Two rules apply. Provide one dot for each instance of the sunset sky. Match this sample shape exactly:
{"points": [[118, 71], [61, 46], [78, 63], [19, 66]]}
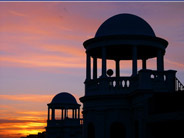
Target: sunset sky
{"points": [[41, 52]]}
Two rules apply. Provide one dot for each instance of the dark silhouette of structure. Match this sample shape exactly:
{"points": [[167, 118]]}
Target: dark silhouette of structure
{"points": [[39, 135], [147, 104], [68, 125]]}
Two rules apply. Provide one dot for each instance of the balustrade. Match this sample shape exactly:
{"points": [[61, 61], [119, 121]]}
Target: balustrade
{"points": [[109, 84], [158, 81], [179, 85], [67, 121]]}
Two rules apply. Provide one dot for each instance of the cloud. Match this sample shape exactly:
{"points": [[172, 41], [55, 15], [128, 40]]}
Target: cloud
{"points": [[49, 36], [21, 123], [174, 64], [64, 49], [35, 40], [17, 13], [5, 121], [18, 120], [21, 127], [27, 98], [42, 61]]}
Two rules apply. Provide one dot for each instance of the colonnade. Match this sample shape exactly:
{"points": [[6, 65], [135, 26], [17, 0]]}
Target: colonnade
{"points": [[160, 63], [64, 113]]}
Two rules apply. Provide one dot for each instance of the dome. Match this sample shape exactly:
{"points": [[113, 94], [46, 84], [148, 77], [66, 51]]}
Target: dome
{"points": [[64, 98], [125, 24]]}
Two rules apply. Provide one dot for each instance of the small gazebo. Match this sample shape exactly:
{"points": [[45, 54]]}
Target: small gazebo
{"points": [[68, 120], [64, 102]]}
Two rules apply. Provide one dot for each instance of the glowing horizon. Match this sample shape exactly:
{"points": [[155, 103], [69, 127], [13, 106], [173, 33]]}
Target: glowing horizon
{"points": [[42, 54]]}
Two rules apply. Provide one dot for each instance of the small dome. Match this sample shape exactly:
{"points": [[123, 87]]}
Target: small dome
{"points": [[125, 24], [64, 98]]}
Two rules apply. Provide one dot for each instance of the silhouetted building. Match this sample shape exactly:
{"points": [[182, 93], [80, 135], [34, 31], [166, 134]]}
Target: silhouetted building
{"points": [[68, 123], [147, 104], [39, 135]]}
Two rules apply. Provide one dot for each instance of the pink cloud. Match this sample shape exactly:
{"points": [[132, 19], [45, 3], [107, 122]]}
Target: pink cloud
{"points": [[49, 36], [27, 98], [15, 13], [42, 61]]}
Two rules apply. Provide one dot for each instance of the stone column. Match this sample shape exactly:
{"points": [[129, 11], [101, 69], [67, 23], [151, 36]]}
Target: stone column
{"points": [[75, 113], [117, 68], [104, 66], [48, 113], [94, 68], [65, 113], [72, 113], [88, 66], [144, 64], [53, 114], [134, 61], [62, 114], [160, 61], [79, 113]]}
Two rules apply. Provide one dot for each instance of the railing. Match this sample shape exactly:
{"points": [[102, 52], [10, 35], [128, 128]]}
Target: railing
{"points": [[179, 85], [65, 122], [163, 81], [157, 81], [120, 82], [110, 85]]}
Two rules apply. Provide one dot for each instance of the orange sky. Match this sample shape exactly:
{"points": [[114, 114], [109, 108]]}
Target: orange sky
{"points": [[41, 53], [23, 114], [20, 116]]}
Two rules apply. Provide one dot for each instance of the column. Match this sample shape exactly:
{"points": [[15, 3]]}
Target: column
{"points": [[160, 61], [104, 66], [134, 58], [79, 113], [65, 113], [72, 113], [62, 114], [143, 63], [48, 113], [94, 68], [117, 68], [75, 113], [88, 66], [53, 114]]}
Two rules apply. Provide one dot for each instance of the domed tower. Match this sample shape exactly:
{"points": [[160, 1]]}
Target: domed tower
{"points": [[115, 106], [67, 123]]}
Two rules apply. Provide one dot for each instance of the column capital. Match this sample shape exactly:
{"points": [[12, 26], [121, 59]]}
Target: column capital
{"points": [[87, 51], [117, 59]]}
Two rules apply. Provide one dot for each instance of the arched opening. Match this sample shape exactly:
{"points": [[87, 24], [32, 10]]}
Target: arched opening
{"points": [[91, 131], [117, 130]]}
